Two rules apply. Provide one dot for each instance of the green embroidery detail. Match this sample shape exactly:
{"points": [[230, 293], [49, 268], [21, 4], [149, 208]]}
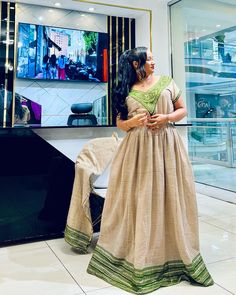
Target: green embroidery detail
{"points": [[150, 97], [76, 239], [122, 274], [177, 97]]}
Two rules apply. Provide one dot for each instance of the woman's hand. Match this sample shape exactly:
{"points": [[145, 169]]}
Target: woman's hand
{"points": [[138, 120], [157, 121]]}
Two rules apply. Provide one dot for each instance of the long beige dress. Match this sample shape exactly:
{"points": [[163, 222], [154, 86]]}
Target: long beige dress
{"points": [[149, 231]]}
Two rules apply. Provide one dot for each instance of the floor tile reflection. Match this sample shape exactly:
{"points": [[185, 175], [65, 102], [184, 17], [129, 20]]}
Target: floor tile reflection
{"points": [[36, 271]]}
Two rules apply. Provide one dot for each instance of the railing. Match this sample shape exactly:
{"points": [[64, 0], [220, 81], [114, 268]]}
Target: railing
{"points": [[213, 141], [209, 49]]}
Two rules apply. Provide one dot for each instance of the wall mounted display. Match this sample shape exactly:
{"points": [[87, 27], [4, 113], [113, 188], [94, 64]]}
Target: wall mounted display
{"points": [[53, 53]]}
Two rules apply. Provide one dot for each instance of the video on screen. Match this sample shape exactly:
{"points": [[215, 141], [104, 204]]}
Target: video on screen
{"points": [[52, 53]]}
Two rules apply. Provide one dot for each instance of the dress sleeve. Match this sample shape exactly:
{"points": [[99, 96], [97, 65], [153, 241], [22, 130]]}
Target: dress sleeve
{"points": [[175, 91]]}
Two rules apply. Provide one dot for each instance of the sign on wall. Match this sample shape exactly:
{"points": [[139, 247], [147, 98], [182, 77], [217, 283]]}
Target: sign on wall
{"points": [[215, 106]]}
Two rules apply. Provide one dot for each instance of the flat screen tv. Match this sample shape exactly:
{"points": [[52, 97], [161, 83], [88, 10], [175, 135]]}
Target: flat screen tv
{"points": [[52, 53]]}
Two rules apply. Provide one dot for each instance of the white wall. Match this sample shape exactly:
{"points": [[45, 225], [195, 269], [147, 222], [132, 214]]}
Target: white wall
{"points": [[160, 29]]}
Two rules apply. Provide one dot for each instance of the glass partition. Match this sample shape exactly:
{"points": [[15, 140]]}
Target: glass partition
{"points": [[233, 135], [203, 35]]}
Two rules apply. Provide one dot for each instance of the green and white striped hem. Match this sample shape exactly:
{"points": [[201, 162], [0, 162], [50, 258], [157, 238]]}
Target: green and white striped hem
{"points": [[76, 239], [122, 274]]}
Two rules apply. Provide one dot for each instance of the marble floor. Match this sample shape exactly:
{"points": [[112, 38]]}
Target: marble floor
{"points": [[215, 175], [52, 268]]}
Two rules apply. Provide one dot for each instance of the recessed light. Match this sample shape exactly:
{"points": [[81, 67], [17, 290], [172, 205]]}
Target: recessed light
{"points": [[10, 42], [50, 10], [40, 18], [10, 67], [218, 26], [91, 9], [57, 4], [82, 14], [203, 30]]}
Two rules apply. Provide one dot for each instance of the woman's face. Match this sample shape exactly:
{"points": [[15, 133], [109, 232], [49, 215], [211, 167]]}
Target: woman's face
{"points": [[150, 64]]}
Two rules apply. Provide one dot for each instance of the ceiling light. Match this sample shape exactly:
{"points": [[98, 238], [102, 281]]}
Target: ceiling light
{"points": [[10, 42], [40, 18], [57, 4], [50, 10], [91, 9], [218, 26], [203, 30], [9, 67], [82, 14]]}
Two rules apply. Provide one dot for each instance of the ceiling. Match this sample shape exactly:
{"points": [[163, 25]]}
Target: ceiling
{"points": [[233, 2], [207, 17], [82, 6]]}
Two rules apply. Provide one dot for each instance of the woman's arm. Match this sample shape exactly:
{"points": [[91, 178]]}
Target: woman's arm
{"points": [[137, 120], [179, 111]]}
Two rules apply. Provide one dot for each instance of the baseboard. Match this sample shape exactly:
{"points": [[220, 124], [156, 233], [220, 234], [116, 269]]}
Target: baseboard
{"points": [[215, 192]]}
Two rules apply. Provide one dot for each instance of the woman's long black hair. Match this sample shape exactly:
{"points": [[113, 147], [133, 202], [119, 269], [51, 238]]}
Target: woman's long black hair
{"points": [[18, 107], [127, 76]]}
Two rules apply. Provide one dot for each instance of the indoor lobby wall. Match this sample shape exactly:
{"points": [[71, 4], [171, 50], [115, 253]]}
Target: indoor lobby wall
{"points": [[159, 32]]}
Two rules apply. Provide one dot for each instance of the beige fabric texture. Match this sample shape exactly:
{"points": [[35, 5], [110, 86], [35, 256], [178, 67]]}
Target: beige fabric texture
{"points": [[150, 212], [91, 162]]}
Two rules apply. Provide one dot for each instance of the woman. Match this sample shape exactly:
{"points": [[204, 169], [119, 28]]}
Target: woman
{"points": [[149, 231], [53, 66], [22, 112]]}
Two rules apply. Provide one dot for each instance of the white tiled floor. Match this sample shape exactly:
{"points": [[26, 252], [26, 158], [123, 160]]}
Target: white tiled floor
{"points": [[53, 268], [215, 175]]}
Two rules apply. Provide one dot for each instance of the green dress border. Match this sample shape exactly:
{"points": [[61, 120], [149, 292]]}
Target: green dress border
{"points": [[122, 274], [77, 239]]}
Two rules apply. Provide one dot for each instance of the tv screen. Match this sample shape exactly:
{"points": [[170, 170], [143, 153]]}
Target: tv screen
{"points": [[52, 53]]}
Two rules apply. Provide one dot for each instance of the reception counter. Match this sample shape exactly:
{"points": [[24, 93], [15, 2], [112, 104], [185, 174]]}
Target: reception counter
{"points": [[36, 179]]}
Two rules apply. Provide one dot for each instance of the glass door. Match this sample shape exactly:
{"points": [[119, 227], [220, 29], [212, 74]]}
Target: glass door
{"points": [[203, 36]]}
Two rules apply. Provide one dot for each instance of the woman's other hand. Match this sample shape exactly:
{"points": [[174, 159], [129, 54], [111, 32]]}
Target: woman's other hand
{"points": [[157, 121]]}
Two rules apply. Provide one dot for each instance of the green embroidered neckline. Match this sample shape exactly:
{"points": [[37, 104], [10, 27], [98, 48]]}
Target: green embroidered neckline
{"points": [[150, 97]]}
